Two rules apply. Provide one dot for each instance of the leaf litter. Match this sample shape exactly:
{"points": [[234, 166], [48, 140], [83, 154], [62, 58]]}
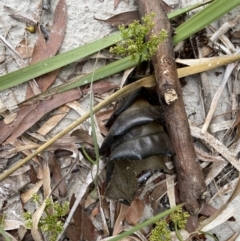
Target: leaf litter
{"points": [[130, 214]]}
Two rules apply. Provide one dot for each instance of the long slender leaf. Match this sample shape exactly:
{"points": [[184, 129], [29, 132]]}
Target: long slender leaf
{"points": [[203, 18], [58, 61], [181, 11], [100, 73]]}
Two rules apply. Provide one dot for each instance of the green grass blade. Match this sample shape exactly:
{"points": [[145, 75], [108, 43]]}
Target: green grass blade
{"points": [[203, 18], [100, 73], [181, 11], [58, 61], [3, 233]]}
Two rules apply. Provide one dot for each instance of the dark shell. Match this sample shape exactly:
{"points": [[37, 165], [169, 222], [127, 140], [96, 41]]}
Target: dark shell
{"points": [[141, 112], [151, 141]]}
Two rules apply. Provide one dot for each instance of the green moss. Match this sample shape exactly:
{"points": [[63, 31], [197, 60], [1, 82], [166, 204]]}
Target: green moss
{"points": [[133, 43], [162, 233], [51, 222]]}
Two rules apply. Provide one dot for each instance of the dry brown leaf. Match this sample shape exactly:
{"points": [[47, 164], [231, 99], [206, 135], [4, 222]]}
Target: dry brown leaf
{"points": [[126, 73], [156, 193], [26, 196], [37, 136], [101, 126], [101, 86], [43, 50], [30, 115], [35, 231], [22, 231], [130, 238], [208, 210], [104, 115], [6, 130], [8, 119], [73, 233], [46, 180], [84, 225], [135, 211], [22, 145], [32, 175], [12, 224], [23, 50], [192, 223], [57, 175], [52, 122], [118, 227], [21, 170], [122, 18], [83, 135], [116, 2]]}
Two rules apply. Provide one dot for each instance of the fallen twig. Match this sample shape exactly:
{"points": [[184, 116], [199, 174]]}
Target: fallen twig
{"points": [[190, 178]]}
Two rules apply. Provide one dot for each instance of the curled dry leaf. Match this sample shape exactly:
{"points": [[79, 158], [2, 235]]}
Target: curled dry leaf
{"points": [[122, 18]]}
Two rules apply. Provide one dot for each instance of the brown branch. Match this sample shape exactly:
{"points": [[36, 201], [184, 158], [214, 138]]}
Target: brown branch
{"points": [[190, 178]]}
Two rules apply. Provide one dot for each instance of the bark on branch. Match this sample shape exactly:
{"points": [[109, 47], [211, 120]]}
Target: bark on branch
{"points": [[190, 178]]}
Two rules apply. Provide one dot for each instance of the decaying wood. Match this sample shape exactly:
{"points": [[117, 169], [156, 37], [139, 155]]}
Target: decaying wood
{"points": [[190, 178]]}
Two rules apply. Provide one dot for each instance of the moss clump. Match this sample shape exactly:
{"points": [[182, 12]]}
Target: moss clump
{"points": [[133, 43], [50, 223], [162, 233]]}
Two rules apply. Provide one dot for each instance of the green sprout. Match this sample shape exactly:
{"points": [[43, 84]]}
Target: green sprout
{"points": [[133, 43], [162, 233], [51, 223]]}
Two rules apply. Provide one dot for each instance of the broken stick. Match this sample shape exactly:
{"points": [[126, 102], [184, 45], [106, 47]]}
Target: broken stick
{"points": [[190, 178]]}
